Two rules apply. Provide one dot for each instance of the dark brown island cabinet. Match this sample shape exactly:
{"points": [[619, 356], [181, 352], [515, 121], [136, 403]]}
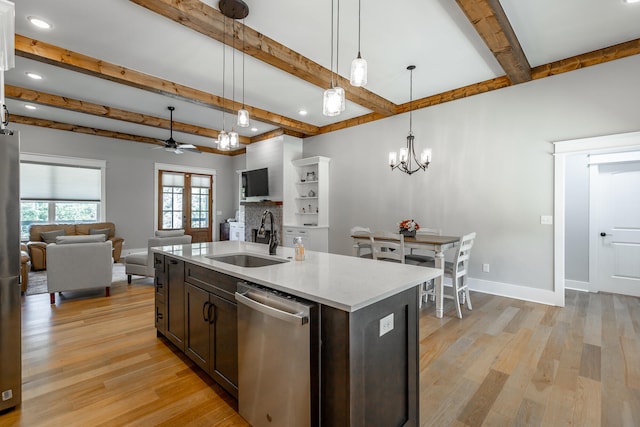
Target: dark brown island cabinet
{"points": [[360, 376]]}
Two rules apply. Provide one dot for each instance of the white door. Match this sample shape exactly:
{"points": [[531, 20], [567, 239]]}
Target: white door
{"points": [[618, 211]]}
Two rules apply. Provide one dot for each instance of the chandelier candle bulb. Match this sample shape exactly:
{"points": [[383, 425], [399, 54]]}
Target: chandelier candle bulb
{"points": [[425, 157], [404, 155], [393, 158]]}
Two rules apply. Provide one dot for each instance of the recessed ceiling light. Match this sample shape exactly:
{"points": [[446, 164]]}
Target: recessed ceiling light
{"points": [[630, 1], [34, 76], [254, 129], [302, 112], [30, 107], [38, 22]]}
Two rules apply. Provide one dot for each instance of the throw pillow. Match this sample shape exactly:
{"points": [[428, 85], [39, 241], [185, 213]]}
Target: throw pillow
{"points": [[104, 231], [50, 236], [65, 240], [169, 233]]}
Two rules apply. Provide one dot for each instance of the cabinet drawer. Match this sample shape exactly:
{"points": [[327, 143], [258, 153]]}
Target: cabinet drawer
{"points": [[212, 281]]}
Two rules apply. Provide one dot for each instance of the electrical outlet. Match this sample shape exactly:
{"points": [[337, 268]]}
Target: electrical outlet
{"points": [[485, 268], [546, 219], [386, 324]]}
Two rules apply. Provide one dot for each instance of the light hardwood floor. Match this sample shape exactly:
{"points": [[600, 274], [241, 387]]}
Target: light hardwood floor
{"points": [[96, 361]]}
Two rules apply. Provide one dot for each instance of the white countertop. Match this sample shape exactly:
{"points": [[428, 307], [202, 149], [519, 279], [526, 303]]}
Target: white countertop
{"points": [[344, 282]]}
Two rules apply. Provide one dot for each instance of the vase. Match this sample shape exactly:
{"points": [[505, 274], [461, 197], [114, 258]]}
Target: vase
{"points": [[407, 233]]}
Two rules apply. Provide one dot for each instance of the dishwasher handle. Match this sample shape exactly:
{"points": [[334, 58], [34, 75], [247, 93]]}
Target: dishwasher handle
{"points": [[298, 318]]}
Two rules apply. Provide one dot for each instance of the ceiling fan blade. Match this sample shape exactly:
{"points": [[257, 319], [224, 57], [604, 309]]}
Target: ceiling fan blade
{"points": [[187, 146], [191, 150]]}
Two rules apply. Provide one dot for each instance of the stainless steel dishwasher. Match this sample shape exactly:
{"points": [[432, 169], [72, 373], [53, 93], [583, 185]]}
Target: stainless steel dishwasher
{"points": [[277, 358]]}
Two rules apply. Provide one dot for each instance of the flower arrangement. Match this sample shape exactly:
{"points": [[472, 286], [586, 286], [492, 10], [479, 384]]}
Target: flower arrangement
{"points": [[408, 225]]}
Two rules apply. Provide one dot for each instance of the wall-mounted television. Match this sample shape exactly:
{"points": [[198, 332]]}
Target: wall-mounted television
{"points": [[256, 182]]}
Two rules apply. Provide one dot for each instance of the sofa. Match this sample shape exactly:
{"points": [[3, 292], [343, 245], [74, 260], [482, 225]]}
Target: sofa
{"points": [[41, 235], [79, 262], [141, 263], [25, 266]]}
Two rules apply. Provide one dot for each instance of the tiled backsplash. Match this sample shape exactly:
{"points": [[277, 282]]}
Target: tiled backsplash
{"points": [[253, 216]]}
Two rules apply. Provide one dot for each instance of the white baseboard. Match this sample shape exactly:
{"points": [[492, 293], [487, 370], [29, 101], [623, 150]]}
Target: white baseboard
{"points": [[577, 285], [524, 293]]}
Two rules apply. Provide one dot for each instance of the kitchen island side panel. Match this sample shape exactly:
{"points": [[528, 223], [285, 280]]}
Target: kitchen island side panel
{"points": [[369, 378]]}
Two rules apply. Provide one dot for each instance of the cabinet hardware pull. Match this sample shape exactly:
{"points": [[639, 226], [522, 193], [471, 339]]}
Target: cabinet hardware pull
{"points": [[212, 313], [205, 311]]}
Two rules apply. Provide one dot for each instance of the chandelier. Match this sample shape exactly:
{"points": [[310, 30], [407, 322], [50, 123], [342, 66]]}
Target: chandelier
{"points": [[408, 154]]}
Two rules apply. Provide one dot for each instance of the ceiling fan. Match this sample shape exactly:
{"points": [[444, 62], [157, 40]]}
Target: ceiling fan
{"points": [[171, 144]]}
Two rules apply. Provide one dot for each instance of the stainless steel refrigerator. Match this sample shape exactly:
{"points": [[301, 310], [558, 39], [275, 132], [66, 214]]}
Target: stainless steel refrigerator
{"points": [[10, 300]]}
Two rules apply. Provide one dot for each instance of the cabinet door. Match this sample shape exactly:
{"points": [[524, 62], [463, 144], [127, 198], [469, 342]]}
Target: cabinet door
{"points": [[199, 312], [174, 303], [224, 330]]}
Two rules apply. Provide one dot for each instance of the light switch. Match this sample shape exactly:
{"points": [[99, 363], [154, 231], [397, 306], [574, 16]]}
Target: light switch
{"points": [[546, 219], [386, 324]]}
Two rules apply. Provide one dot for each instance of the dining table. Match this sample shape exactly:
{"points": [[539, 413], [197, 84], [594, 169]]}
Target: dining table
{"points": [[431, 242]]}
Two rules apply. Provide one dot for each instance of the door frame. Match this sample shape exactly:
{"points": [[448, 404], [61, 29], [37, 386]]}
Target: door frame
{"points": [[185, 169], [594, 145]]}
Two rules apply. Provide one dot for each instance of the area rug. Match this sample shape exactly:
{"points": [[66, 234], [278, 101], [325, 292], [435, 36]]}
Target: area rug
{"points": [[38, 279]]}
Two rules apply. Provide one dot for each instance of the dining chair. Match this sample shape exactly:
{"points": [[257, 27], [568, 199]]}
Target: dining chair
{"points": [[457, 271], [362, 231], [387, 250], [417, 256]]}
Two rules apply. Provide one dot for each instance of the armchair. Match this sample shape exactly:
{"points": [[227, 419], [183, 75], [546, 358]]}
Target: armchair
{"points": [[141, 263], [83, 263]]}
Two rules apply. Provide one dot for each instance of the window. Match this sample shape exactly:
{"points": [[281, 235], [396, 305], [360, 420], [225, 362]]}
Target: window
{"points": [[62, 190]]}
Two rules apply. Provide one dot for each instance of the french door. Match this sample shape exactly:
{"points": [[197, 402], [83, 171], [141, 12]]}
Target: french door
{"points": [[185, 202]]}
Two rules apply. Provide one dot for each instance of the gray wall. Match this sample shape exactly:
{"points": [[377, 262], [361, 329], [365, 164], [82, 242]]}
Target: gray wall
{"points": [[492, 169], [130, 175], [577, 218]]}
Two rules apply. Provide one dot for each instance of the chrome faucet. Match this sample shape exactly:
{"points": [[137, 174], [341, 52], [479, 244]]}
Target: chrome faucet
{"points": [[273, 237]]}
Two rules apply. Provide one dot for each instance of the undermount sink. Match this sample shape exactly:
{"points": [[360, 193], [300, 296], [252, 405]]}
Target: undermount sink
{"points": [[247, 260]]}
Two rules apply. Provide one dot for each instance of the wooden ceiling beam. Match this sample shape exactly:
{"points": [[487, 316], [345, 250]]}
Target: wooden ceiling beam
{"points": [[599, 56], [50, 124], [206, 20], [416, 104], [490, 21], [85, 107], [54, 55]]}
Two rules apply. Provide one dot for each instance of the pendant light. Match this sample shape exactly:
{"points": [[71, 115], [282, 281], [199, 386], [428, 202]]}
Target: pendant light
{"points": [[234, 9], [333, 100], [359, 65], [243, 114], [408, 154], [233, 135], [223, 137]]}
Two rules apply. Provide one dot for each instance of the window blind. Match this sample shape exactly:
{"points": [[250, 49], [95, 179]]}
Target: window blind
{"points": [[51, 182]]}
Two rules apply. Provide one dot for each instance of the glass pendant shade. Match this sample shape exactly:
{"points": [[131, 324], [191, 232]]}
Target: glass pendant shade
{"points": [[358, 72], [393, 158], [425, 156], [333, 101], [233, 140], [223, 140], [404, 154], [243, 118]]}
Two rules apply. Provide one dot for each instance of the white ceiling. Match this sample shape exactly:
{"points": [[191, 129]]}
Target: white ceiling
{"points": [[435, 35]]}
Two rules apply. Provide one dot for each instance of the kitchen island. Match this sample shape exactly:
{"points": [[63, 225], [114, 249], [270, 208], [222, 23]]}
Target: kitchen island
{"points": [[364, 336]]}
